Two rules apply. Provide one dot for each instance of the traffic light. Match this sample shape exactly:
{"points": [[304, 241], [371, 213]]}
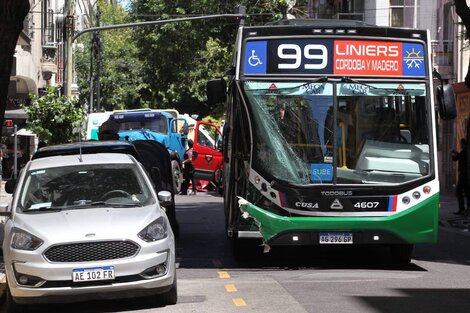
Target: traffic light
{"points": [[8, 123]]}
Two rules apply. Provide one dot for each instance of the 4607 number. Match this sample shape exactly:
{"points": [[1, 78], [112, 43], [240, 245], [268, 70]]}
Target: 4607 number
{"points": [[366, 205]]}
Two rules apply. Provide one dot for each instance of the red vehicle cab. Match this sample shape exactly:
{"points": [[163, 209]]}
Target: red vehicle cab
{"points": [[206, 153]]}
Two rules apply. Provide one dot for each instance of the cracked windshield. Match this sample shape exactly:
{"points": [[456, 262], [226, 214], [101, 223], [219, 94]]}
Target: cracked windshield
{"points": [[378, 134], [83, 187]]}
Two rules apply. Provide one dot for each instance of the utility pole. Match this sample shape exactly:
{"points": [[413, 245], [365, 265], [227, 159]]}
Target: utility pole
{"points": [[99, 61], [69, 28]]}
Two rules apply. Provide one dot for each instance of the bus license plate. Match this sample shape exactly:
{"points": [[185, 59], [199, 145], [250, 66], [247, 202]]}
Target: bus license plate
{"points": [[336, 238], [93, 274]]}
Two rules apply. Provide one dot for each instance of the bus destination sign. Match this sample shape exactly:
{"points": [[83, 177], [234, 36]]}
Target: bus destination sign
{"points": [[334, 57]]}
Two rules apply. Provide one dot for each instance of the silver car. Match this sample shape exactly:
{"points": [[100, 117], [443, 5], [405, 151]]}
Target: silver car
{"points": [[87, 227]]}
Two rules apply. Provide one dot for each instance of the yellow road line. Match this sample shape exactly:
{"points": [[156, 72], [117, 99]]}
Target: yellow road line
{"points": [[230, 288], [223, 275], [239, 302]]}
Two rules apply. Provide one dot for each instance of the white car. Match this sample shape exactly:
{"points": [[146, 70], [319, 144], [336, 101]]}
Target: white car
{"points": [[83, 227]]}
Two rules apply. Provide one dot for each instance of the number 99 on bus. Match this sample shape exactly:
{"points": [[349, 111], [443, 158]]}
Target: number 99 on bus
{"points": [[294, 53]]}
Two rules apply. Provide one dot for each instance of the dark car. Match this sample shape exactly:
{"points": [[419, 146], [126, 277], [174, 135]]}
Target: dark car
{"points": [[152, 155]]}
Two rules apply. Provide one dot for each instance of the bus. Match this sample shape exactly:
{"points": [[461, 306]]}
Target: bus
{"points": [[330, 136]]}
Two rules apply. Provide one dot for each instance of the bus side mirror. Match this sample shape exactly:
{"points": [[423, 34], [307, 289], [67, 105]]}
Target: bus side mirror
{"points": [[216, 91], [446, 101]]}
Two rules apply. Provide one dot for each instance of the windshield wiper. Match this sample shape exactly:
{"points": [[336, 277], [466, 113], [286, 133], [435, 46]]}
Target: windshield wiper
{"points": [[87, 204], [43, 209]]}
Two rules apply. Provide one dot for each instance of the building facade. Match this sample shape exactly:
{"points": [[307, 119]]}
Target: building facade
{"points": [[38, 62]]}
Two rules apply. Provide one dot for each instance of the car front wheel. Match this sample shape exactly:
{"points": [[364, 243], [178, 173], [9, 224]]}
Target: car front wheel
{"points": [[12, 306], [171, 296]]}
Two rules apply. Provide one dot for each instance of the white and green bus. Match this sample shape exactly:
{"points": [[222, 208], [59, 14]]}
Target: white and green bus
{"points": [[330, 135]]}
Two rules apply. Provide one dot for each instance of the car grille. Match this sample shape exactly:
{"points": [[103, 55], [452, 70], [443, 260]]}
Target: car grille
{"points": [[91, 251]]}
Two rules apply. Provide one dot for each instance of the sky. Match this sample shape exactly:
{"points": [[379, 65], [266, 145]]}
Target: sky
{"points": [[124, 3]]}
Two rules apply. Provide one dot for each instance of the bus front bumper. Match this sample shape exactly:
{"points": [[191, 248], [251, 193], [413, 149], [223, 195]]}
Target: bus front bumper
{"points": [[418, 224]]}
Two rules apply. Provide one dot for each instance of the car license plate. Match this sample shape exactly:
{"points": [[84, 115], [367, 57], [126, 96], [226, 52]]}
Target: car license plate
{"points": [[92, 274], [336, 238]]}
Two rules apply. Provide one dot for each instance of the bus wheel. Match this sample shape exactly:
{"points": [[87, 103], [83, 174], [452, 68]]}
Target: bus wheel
{"points": [[401, 254]]}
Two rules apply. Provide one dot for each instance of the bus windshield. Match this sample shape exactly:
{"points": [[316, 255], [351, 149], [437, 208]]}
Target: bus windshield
{"points": [[377, 133]]}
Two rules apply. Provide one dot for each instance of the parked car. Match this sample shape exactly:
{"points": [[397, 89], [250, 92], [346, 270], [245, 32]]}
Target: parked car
{"points": [[87, 226], [153, 156]]}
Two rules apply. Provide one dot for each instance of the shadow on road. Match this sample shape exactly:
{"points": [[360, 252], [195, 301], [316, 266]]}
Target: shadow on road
{"points": [[421, 300]]}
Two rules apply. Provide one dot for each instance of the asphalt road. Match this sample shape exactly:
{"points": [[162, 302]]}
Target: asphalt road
{"points": [[338, 279]]}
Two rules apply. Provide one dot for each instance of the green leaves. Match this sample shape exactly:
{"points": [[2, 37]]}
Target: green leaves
{"points": [[167, 66], [53, 117]]}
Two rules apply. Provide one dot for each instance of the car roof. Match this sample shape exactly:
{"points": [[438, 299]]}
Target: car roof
{"points": [[80, 160], [87, 147]]}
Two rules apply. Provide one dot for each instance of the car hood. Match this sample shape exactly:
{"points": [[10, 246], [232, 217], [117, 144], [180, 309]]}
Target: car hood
{"points": [[88, 224]]}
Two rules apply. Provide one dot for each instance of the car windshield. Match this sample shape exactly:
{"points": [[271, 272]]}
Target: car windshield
{"points": [[377, 133], [76, 187]]}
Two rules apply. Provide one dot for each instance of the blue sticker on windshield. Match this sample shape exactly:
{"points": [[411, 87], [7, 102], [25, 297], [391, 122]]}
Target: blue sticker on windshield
{"points": [[321, 172], [255, 57]]}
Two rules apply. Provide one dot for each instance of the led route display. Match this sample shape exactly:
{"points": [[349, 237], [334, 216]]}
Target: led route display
{"points": [[330, 56]]}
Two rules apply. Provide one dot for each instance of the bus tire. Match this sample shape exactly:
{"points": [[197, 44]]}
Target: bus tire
{"points": [[401, 254]]}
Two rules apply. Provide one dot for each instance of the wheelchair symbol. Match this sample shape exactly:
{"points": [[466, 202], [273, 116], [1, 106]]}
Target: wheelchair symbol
{"points": [[253, 60]]}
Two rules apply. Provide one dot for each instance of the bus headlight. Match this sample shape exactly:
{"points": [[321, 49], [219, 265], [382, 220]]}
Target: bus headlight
{"points": [[406, 200]]}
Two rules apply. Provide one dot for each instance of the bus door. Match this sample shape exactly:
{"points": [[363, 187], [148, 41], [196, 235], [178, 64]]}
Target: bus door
{"points": [[207, 151]]}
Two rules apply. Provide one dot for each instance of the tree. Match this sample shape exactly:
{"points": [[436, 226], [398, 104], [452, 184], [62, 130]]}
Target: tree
{"points": [[462, 10], [12, 14], [120, 80], [54, 118], [181, 57]]}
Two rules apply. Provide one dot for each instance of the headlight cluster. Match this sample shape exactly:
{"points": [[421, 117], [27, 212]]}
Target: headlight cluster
{"points": [[154, 231], [22, 240]]}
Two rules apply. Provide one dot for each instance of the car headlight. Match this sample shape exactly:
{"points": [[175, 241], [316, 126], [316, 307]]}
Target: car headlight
{"points": [[22, 240], [154, 231]]}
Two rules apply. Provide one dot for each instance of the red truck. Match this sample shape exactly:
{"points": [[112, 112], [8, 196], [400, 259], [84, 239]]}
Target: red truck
{"points": [[206, 154]]}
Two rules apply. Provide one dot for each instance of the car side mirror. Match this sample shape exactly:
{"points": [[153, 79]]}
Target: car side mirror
{"points": [[165, 197], [216, 91], [10, 186]]}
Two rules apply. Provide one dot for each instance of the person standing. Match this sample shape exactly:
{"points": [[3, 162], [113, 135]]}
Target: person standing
{"points": [[462, 189], [188, 171], [188, 175]]}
